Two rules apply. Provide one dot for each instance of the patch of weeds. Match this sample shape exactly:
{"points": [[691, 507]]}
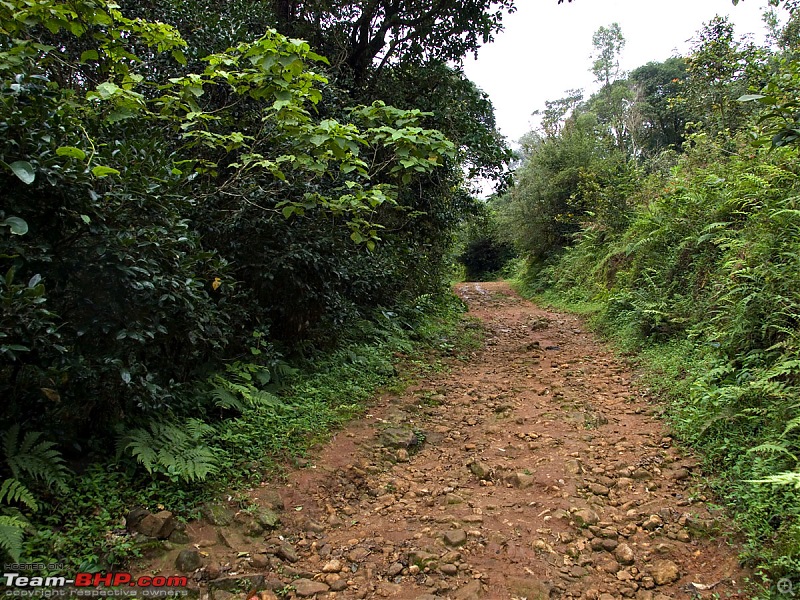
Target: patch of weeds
{"points": [[421, 437]]}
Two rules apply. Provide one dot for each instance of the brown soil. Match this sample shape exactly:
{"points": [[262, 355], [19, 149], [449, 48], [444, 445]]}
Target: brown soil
{"points": [[543, 474]]}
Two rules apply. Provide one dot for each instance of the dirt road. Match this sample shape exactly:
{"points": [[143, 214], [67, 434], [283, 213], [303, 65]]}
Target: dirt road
{"points": [[532, 471]]}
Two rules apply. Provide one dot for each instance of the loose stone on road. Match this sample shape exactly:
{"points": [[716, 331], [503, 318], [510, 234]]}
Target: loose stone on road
{"points": [[534, 470]]}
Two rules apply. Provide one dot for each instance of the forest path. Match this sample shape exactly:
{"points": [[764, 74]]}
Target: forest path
{"points": [[534, 470]]}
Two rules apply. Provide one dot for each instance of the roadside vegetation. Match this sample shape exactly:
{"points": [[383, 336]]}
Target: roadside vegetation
{"points": [[665, 206], [216, 239]]}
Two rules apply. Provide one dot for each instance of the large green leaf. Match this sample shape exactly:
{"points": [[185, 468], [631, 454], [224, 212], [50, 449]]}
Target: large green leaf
{"points": [[71, 151], [16, 225], [24, 170], [101, 171]]}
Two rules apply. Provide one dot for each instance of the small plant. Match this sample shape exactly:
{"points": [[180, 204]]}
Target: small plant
{"points": [[173, 450], [30, 459]]}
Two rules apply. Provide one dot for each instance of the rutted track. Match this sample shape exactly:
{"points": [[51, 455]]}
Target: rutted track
{"points": [[532, 471]]}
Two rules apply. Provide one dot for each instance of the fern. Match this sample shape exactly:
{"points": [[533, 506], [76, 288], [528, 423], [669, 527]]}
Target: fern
{"points": [[28, 456], [12, 528], [786, 478], [770, 448], [237, 390], [35, 457], [13, 490], [176, 451]]}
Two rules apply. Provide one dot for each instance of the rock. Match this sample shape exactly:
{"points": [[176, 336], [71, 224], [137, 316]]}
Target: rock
{"points": [[641, 474], [598, 489], [624, 555], [314, 527], [332, 566], [248, 524], [287, 552], [358, 554], [451, 557], [394, 569], [308, 587], [234, 583], [521, 480], [338, 586], [453, 499], [211, 571], [398, 437], [420, 558], [680, 474], [233, 539], [471, 591], [608, 544], [449, 569], [664, 572], [455, 537], [427, 597], [188, 561], [268, 518], [585, 517], [134, 517], [259, 561], [402, 455], [608, 565], [179, 537], [472, 519], [273, 499], [624, 575], [217, 514], [528, 588], [480, 469], [652, 523], [159, 525]]}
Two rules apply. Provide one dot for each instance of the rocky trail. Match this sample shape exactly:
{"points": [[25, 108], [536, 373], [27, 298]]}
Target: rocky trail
{"points": [[534, 470]]}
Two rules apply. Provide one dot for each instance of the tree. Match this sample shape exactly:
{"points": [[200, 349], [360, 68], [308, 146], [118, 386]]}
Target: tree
{"points": [[719, 69], [556, 111], [124, 193], [657, 86], [608, 43], [364, 36], [613, 103]]}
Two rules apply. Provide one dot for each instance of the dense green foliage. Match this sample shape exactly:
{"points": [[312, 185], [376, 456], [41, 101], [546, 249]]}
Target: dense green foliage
{"points": [[193, 201], [684, 245]]}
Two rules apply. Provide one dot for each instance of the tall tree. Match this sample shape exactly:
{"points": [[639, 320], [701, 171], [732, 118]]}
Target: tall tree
{"points": [[612, 105], [657, 85], [366, 35], [719, 70], [608, 43]]}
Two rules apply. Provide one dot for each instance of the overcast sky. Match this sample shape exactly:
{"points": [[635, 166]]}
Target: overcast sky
{"points": [[545, 47]]}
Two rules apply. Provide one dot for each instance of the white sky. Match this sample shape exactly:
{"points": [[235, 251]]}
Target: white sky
{"points": [[545, 47]]}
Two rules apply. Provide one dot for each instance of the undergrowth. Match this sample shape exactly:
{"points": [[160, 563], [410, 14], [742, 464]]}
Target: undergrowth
{"points": [[275, 413], [703, 290]]}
